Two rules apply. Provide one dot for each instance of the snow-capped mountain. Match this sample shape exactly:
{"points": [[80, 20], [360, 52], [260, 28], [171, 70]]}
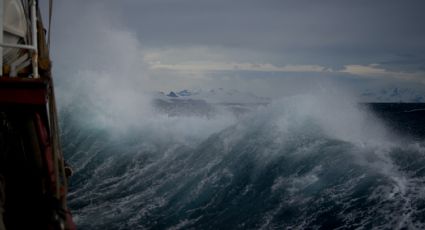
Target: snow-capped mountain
{"points": [[185, 93], [172, 94], [207, 102], [403, 95], [218, 96]]}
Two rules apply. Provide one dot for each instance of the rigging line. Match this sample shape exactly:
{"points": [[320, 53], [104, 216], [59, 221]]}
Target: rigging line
{"points": [[50, 23]]}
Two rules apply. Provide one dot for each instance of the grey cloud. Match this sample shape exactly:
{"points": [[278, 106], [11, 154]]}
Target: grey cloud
{"points": [[333, 28], [352, 30], [330, 33]]}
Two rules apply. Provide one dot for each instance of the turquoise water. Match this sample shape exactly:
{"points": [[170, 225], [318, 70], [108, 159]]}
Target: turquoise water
{"points": [[284, 166]]}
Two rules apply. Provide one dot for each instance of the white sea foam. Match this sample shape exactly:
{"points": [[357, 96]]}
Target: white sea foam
{"points": [[180, 165]]}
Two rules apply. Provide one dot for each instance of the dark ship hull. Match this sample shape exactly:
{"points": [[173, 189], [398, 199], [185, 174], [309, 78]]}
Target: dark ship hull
{"points": [[33, 180]]}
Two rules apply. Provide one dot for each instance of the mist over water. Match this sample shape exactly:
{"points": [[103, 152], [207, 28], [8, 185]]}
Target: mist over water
{"points": [[314, 160], [317, 161]]}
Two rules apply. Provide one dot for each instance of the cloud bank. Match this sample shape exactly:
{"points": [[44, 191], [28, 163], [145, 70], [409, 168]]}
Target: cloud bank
{"points": [[151, 45]]}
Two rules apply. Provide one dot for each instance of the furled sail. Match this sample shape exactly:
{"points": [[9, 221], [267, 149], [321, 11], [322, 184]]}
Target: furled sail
{"points": [[15, 28]]}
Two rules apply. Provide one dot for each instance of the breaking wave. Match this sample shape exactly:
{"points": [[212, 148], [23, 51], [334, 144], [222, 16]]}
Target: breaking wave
{"points": [[301, 162]]}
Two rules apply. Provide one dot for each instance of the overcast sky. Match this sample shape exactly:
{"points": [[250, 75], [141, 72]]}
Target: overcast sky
{"points": [[267, 45]]}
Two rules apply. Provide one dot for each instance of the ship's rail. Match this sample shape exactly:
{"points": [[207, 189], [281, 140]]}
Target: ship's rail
{"points": [[26, 90]]}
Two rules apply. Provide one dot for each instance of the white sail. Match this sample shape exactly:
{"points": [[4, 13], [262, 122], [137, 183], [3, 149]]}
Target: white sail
{"points": [[15, 29], [14, 19], [19, 36]]}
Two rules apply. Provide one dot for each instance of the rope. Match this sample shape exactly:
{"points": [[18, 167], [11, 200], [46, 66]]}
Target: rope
{"points": [[50, 22]]}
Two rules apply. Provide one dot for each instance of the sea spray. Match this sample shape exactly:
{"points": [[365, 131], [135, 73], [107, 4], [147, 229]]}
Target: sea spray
{"points": [[300, 162]]}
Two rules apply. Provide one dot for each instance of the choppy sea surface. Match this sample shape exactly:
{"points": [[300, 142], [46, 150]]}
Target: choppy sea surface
{"points": [[293, 164]]}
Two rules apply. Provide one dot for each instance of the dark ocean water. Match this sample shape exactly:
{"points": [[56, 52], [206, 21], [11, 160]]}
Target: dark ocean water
{"points": [[407, 119], [284, 166]]}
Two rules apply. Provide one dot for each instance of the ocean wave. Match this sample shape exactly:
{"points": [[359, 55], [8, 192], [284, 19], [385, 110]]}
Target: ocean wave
{"points": [[302, 162]]}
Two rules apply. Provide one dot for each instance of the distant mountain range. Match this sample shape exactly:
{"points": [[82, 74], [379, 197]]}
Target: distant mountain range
{"points": [[222, 96], [211, 102], [403, 95], [216, 96], [207, 102]]}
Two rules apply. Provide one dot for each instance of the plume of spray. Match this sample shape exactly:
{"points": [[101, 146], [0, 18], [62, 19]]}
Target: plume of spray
{"points": [[102, 76], [100, 65], [103, 81]]}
